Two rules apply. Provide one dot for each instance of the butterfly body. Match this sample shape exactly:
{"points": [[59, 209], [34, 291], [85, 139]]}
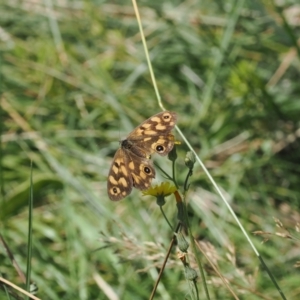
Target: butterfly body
{"points": [[131, 164]]}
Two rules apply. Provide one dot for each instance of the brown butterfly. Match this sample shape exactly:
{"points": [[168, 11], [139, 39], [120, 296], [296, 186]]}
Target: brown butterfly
{"points": [[131, 165]]}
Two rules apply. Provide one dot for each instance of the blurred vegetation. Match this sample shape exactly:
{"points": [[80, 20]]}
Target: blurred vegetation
{"points": [[74, 81]]}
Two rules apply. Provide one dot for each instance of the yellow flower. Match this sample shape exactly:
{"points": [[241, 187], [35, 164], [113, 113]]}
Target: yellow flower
{"points": [[161, 191]]}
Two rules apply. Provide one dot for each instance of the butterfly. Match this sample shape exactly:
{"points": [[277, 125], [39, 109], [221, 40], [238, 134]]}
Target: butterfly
{"points": [[131, 165]]}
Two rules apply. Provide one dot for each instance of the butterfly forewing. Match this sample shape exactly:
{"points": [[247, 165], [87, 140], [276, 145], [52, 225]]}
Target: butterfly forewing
{"points": [[119, 182], [153, 135], [131, 165], [159, 124]]}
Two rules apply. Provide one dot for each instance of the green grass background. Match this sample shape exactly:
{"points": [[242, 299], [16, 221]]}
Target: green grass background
{"points": [[74, 81]]}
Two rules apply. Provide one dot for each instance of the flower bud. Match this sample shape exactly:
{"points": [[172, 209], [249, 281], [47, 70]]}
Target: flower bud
{"points": [[190, 273], [183, 245], [190, 160]]}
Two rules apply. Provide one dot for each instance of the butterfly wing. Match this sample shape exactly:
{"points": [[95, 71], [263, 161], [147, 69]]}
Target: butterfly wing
{"points": [[128, 170], [119, 182], [141, 170], [153, 135]]}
